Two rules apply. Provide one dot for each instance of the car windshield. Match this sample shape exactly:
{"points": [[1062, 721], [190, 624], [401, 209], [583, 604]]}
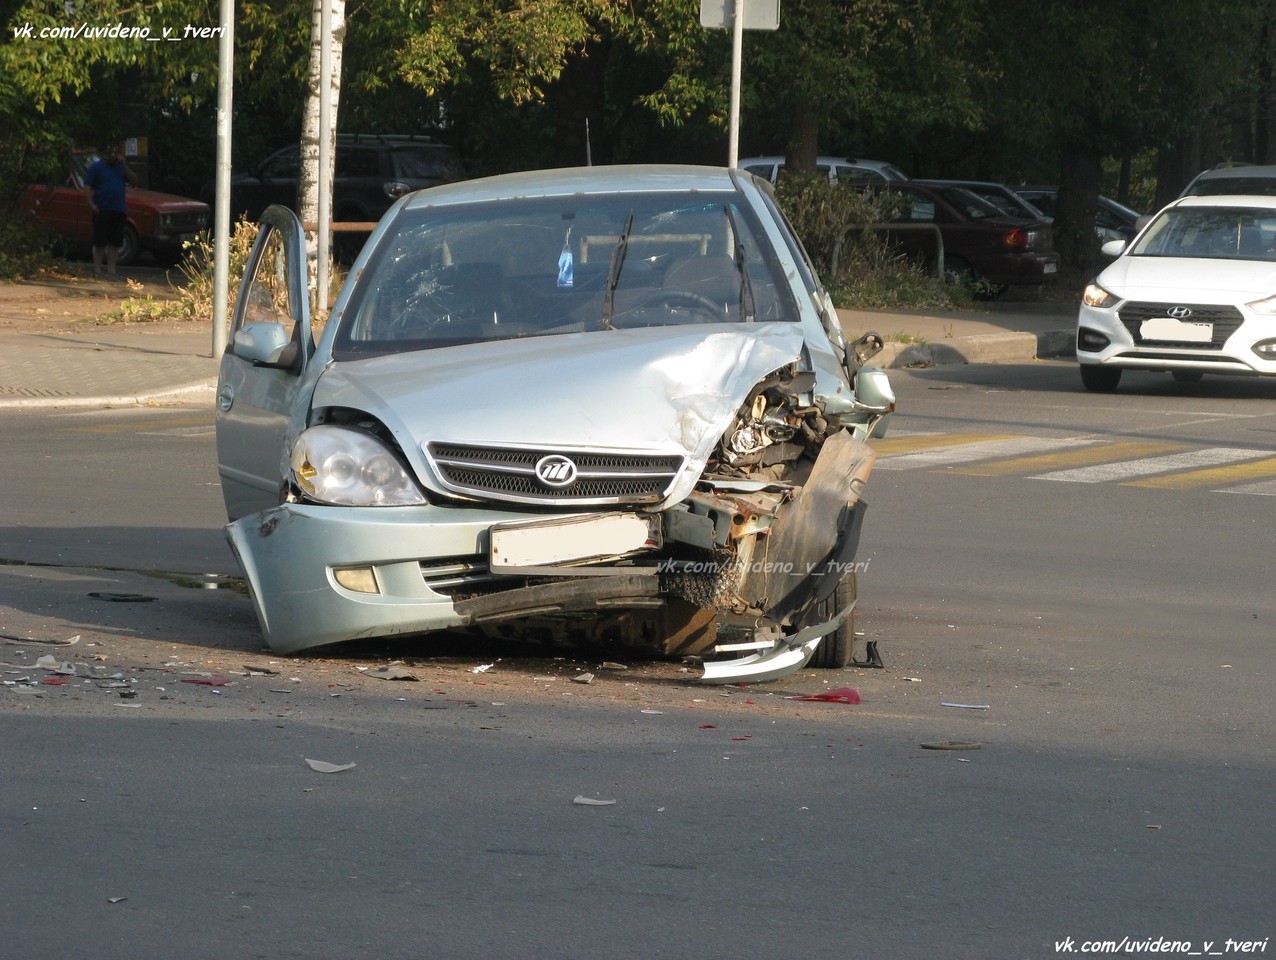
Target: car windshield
{"points": [[542, 266], [1220, 233]]}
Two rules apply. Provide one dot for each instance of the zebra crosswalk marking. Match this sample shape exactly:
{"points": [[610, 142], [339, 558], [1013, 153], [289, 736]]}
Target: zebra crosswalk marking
{"points": [[973, 449], [1094, 452], [1125, 470], [1196, 479]]}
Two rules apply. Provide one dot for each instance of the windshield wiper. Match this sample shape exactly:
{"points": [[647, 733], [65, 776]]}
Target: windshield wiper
{"points": [[613, 272], [748, 309]]}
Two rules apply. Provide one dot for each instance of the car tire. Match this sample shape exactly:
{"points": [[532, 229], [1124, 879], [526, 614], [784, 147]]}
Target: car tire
{"points": [[1187, 376], [1100, 379], [835, 649], [129, 249]]}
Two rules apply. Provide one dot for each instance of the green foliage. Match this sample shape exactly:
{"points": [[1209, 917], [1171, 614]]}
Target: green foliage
{"points": [[24, 249], [858, 267], [194, 297]]}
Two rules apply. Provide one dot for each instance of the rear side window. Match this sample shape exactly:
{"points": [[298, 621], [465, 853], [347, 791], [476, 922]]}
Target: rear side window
{"points": [[428, 164]]}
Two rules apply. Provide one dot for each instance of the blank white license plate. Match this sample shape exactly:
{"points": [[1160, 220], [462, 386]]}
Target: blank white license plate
{"points": [[539, 543], [1168, 328]]}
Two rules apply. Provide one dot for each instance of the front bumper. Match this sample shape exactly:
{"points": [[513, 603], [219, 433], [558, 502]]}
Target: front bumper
{"points": [[1105, 337], [323, 574]]}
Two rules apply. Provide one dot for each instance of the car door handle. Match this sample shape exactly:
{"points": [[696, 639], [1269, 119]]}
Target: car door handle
{"points": [[225, 398]]}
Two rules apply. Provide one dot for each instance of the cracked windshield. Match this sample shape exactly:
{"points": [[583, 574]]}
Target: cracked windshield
{"points": [[567, 265]]}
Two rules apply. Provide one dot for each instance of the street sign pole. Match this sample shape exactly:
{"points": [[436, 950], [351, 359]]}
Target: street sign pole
{"points": [[737, 54], [738, 16]]}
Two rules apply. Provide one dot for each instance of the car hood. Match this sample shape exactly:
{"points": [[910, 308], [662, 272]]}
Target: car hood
{"points": [[1191, 280], [659, 389]]}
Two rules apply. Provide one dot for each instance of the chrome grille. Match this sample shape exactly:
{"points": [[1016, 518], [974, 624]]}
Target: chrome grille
{"points": [[1226, 319], [506, 473]]}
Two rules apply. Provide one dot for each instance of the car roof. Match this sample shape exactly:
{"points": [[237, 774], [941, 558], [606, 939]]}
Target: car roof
{"points": [[621, 178], [1241, 171], [1262, 201]]}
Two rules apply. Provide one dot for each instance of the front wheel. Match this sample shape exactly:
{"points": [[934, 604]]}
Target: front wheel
{"points": [[1100, 379], [835, 649], [129, 249]]}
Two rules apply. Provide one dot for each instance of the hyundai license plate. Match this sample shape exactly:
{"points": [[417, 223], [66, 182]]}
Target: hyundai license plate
{"points": [[1172, 329], [565, 540]]}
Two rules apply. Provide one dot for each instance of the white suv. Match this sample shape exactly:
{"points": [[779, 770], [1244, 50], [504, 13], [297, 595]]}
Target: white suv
{"points": [[839, 169], [1233, 181]]}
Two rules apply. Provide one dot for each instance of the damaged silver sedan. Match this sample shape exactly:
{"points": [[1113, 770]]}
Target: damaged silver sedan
{"points": [[610, 404]]}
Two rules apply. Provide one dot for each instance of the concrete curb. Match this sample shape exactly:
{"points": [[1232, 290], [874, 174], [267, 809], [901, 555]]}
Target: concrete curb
{"points": [[986, 348], [205, 390]]}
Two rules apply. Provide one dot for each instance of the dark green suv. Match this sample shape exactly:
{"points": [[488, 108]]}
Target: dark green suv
{"points": [[372, 172]]}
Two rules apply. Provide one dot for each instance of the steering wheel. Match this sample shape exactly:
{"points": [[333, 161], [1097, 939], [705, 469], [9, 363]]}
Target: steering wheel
{"points": [[668, 301]]}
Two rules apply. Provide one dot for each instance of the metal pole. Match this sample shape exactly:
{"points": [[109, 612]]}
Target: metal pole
{"points": [[221, 210], [325, 153], [737, 53]]}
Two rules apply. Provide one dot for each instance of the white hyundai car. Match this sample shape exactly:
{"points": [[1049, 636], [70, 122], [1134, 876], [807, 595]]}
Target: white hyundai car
{"points": [[1194, 293]]}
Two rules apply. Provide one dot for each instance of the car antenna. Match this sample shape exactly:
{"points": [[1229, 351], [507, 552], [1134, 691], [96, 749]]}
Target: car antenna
{"points": [[589, 154]]}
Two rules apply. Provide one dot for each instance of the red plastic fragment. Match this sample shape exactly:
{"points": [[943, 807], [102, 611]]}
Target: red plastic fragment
{"points": [[52, 681], [841, 695]]}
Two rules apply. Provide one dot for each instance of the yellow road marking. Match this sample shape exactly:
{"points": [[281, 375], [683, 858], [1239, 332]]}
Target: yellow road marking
{"points": [[1210, 476], [1086, 456], [894, 446]]}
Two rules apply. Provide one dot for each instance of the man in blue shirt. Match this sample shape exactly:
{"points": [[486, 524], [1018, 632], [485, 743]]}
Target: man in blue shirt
{"points": [[104, 186]]}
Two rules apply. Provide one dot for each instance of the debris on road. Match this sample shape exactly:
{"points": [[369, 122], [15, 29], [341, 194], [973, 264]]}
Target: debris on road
{"points": [[952, 745], [966, 706], [322, 766], [590, 802], [841, 695]]}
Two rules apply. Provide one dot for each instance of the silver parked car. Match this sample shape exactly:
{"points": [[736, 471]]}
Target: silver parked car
{"points": [[606, 404]]}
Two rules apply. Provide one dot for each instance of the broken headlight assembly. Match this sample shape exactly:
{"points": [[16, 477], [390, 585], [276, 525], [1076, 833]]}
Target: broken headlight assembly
{"points": [[350, 468]]}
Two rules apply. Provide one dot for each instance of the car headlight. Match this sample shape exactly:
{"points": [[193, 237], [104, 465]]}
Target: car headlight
{"points": [[351, 468], [1096, 296], [1266, 306]]}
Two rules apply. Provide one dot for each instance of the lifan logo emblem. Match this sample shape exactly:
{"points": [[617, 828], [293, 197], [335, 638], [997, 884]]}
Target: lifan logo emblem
{"points": [[556, 471]]}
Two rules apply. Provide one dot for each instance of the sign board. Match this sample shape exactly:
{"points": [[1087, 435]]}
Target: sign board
{"points": [[758, 14]]}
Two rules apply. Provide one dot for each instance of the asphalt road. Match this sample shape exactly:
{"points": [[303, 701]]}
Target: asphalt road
{"points": [[1108, 633]]}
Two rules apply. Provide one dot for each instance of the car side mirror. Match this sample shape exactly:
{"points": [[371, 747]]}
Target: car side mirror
{"points": [[265, 345], [867, 347], [1113, 248]]}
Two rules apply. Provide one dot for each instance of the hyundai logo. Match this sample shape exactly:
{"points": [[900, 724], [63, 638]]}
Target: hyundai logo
{"points": [[1179, 313], [555, 471]]}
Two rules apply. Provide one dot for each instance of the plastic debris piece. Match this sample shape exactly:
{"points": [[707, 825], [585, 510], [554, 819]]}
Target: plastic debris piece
{"points": [[966, 706], [54, 681], [121, 597], [912, 679], [5, 638], [116, 899], [322, 766], [583, 678], [482, 668], [591, 802], [841, 695], [952, 745], [392, 672], [612, 665], [653, 711], [260, 671], [207, 681]]}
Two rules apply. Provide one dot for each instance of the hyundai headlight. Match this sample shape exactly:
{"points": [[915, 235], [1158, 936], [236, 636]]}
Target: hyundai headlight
{"points": [[351, 468], [1096, 296], [1266, 307]]}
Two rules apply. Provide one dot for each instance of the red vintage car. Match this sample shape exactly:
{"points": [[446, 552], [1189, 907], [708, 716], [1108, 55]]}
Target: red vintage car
{"points": [[158, 223]]}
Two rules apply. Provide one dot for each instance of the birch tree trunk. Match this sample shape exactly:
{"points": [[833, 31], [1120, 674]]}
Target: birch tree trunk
{"points": [[308, 179]]}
